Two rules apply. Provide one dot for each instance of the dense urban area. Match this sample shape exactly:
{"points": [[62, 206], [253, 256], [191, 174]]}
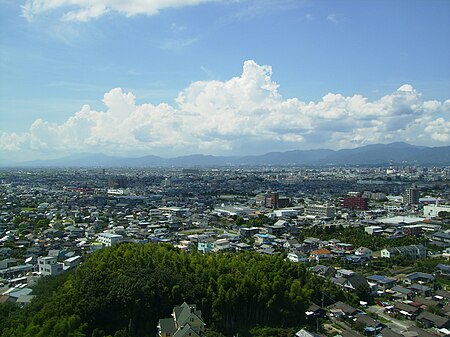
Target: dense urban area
{"points": [[266, 251]]}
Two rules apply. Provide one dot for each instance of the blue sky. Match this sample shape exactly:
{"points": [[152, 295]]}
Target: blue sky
{"points": [[220, 77]]}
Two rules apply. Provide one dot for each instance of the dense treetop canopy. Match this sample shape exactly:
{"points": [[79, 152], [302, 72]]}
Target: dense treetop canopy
{"points": [[124, 290]]}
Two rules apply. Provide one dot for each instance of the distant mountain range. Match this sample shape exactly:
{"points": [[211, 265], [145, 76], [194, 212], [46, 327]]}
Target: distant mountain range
{"points": [[377, 154]]}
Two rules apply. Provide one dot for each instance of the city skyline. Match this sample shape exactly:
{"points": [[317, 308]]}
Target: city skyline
{"points": [[221, 77]]}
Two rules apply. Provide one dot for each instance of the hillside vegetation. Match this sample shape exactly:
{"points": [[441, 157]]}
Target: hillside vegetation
{"points": [[124, 290]]}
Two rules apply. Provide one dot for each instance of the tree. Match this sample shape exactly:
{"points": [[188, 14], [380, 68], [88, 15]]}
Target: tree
{"points": [[124, 290]]}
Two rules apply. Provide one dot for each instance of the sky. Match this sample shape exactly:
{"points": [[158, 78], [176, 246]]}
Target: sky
{"points": [[220, 77]]}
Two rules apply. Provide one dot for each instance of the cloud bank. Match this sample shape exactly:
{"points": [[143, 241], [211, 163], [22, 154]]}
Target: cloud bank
{"points": [[86, 10], [242, 115]]}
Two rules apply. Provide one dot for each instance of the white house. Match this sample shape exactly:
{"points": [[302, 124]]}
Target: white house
{"points": [[414, 251], [364, 252], [108, 239], [49, 265], [297, 257], [221, 245]]}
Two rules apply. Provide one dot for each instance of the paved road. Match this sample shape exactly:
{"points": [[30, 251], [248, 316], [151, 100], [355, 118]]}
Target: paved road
{"points": [[397, 325]]}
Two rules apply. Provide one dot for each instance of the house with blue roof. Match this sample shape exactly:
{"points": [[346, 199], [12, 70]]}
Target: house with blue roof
{"points": [[382, 282]]}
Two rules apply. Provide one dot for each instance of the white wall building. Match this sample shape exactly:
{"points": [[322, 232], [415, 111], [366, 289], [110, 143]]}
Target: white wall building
{"points": [[373, 230], [414, 251], [432, 211], [108, 239], [118, 191], [297, 257], [325, 211], [49, 265], [221, 245], [285, 212], [364, 252]]}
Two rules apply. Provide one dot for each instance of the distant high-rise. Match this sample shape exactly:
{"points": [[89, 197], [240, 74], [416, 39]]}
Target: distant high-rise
{"points": [[354, 203], [118, 182], [411, 196], [274, 199]]}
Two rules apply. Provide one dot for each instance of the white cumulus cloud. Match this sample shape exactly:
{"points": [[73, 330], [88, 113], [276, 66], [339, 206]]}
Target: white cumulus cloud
{"points": [[241, 115]]}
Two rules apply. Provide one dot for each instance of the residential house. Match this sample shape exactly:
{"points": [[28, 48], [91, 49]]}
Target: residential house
{"points": [[386, 332], [265, 249], [323, 271], [72, 262], [297, 257], [313, 243], [108, 239], [430, 320], [15, 271], [49, 265], [246, 232], [421, 289], [351, 283], [51, 233], [364, 252], [356, 260], [442, 237], [305, 333], [315, 311], [221, 245], [443, 269], [405, 310], [414, 251], [370, 326], [382, 282], [23, 300], [343, 247], [345, 273], [186, 321], [166, 327], [442, 296], [320, 254], [418, 277], [9, 262], [418, 332], [276, 229], [242, 247], [400, 292], [425, 302], [342, 310], [292, 244], [263, 239], [205, 245], [20, 292]]}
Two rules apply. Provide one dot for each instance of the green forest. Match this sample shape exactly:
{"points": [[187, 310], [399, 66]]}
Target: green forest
{"points": [[124, 290]]}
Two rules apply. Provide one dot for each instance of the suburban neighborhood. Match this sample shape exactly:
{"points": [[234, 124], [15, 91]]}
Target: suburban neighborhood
{"points": [[382, 233]]}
